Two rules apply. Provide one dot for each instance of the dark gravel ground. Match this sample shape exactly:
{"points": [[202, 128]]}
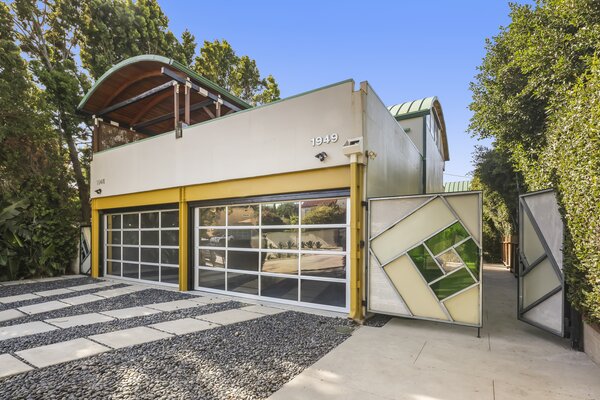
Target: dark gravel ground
{"points": [[22, 288], [57, 297], [61, 335], [377, 320], [147, 296], [247, 360]]}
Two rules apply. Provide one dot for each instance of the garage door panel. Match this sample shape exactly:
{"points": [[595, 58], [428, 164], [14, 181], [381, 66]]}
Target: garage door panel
{"points": [[142, 245], [290, 251]]}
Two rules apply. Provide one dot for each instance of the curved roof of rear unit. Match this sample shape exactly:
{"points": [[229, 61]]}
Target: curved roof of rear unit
{"points": [[421, 107]]}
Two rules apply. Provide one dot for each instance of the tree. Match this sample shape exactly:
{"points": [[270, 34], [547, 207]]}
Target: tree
{"points": [[38, 210], [219, 63], [536, 94], [187, 49]]}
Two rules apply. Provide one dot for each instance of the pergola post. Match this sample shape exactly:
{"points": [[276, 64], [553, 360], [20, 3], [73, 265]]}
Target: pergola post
{"points": [[178, 128], [186, 113]]}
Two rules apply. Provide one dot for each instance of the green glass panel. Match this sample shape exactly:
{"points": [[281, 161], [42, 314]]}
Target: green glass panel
{"points": [[425, 263], [452, 283], [469, 252], [447, 238]]}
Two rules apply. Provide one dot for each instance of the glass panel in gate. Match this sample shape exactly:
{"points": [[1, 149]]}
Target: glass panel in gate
{"points": [[425, 257]]}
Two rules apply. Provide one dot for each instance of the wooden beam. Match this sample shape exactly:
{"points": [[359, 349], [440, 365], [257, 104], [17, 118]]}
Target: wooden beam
{"points": [[129, 83], [171, 74], [210, 113], [168, 116], [176, 105], [151, 104], [218, 107], [137, 98], [186, 114]]}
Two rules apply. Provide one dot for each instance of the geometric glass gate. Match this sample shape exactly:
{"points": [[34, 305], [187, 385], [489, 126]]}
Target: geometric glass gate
{"points": [[541, 284], [425, 257]]}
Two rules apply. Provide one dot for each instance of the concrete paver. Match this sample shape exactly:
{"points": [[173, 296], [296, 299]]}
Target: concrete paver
{"points": [[43, 307], [229, 316], [130, 337], [83, 299], [53, 292], [29, 328], [264, 310], [410, 359], [183, 326], [19, 297], [131, 312], [119, 291], [90, 286], [7, 315], [174, 305], [208, 300], [61, 352], [79, 320], [10, 365]]}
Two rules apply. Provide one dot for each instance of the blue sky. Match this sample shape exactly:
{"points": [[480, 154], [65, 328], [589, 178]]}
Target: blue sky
{"points": [[406, 50]]}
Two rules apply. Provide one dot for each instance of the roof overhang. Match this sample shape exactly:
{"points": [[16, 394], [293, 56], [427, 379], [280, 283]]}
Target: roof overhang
{"points": [[139, 94]]}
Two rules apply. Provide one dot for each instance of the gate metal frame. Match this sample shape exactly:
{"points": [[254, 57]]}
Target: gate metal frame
{"points": [[431, 196], [526, 267]]}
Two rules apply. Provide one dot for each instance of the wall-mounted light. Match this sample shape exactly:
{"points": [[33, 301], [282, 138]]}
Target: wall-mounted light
{"points": [[98, 191], [321, 156]]}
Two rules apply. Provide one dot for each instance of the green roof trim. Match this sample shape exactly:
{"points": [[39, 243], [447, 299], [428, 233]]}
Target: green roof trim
{"points": [[413, 108], [167, 61], [459, 186]]}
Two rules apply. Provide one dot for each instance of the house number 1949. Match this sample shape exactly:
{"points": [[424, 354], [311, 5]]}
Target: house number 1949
{"points": [[319, 140]]}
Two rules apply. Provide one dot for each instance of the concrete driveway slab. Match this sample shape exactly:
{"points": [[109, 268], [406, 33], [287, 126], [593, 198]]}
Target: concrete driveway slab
{"points": [[174, 305], [61, 352], [53, 292], [90, 286], [8, 315], [19, 297], [29, 328], [119, 291], [208, 300], [263, 310], [229, 317], [43, 307], [183, 326], [79, 320], [9, 365], [130, 312], [83, 299], [130, 337]]}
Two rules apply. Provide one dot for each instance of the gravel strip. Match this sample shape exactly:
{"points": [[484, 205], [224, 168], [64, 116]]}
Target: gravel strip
{"points": [[377, 320], [57, 297], [13, 290], [141, 298], [247, 360], [41, 339]]}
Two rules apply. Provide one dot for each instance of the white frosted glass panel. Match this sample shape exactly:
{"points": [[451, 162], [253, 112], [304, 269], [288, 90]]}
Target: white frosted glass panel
{"points": [[386, 212], [464, 307], [414, 291], [467, 206], [544, 208], [532, 247], [383, 297], [410, 231], [540, 281], [548, 313]]}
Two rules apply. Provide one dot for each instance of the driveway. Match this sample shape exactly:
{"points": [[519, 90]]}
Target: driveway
{"points": [[83, 338], [420, 360]]}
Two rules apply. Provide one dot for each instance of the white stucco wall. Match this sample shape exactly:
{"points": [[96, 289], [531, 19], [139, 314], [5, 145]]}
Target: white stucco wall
{"points": [[396, 170], [271, 139]]}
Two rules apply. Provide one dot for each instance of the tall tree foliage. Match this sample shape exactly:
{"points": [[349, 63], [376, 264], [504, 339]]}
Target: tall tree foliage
{"points": [[37, 203], [45, 150], [536, 94], [218, 62]]}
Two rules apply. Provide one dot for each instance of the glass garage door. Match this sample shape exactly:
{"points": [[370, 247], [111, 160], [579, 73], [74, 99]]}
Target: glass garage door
{"points": [[143, 246], [294, 252]]}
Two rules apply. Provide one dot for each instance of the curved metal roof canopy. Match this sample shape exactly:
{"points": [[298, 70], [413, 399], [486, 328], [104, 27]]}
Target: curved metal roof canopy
{"points": [[138, 94], [421, 107]]}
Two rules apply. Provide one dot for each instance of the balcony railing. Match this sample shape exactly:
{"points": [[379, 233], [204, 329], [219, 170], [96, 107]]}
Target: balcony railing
{"points": [[106, 136]]}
